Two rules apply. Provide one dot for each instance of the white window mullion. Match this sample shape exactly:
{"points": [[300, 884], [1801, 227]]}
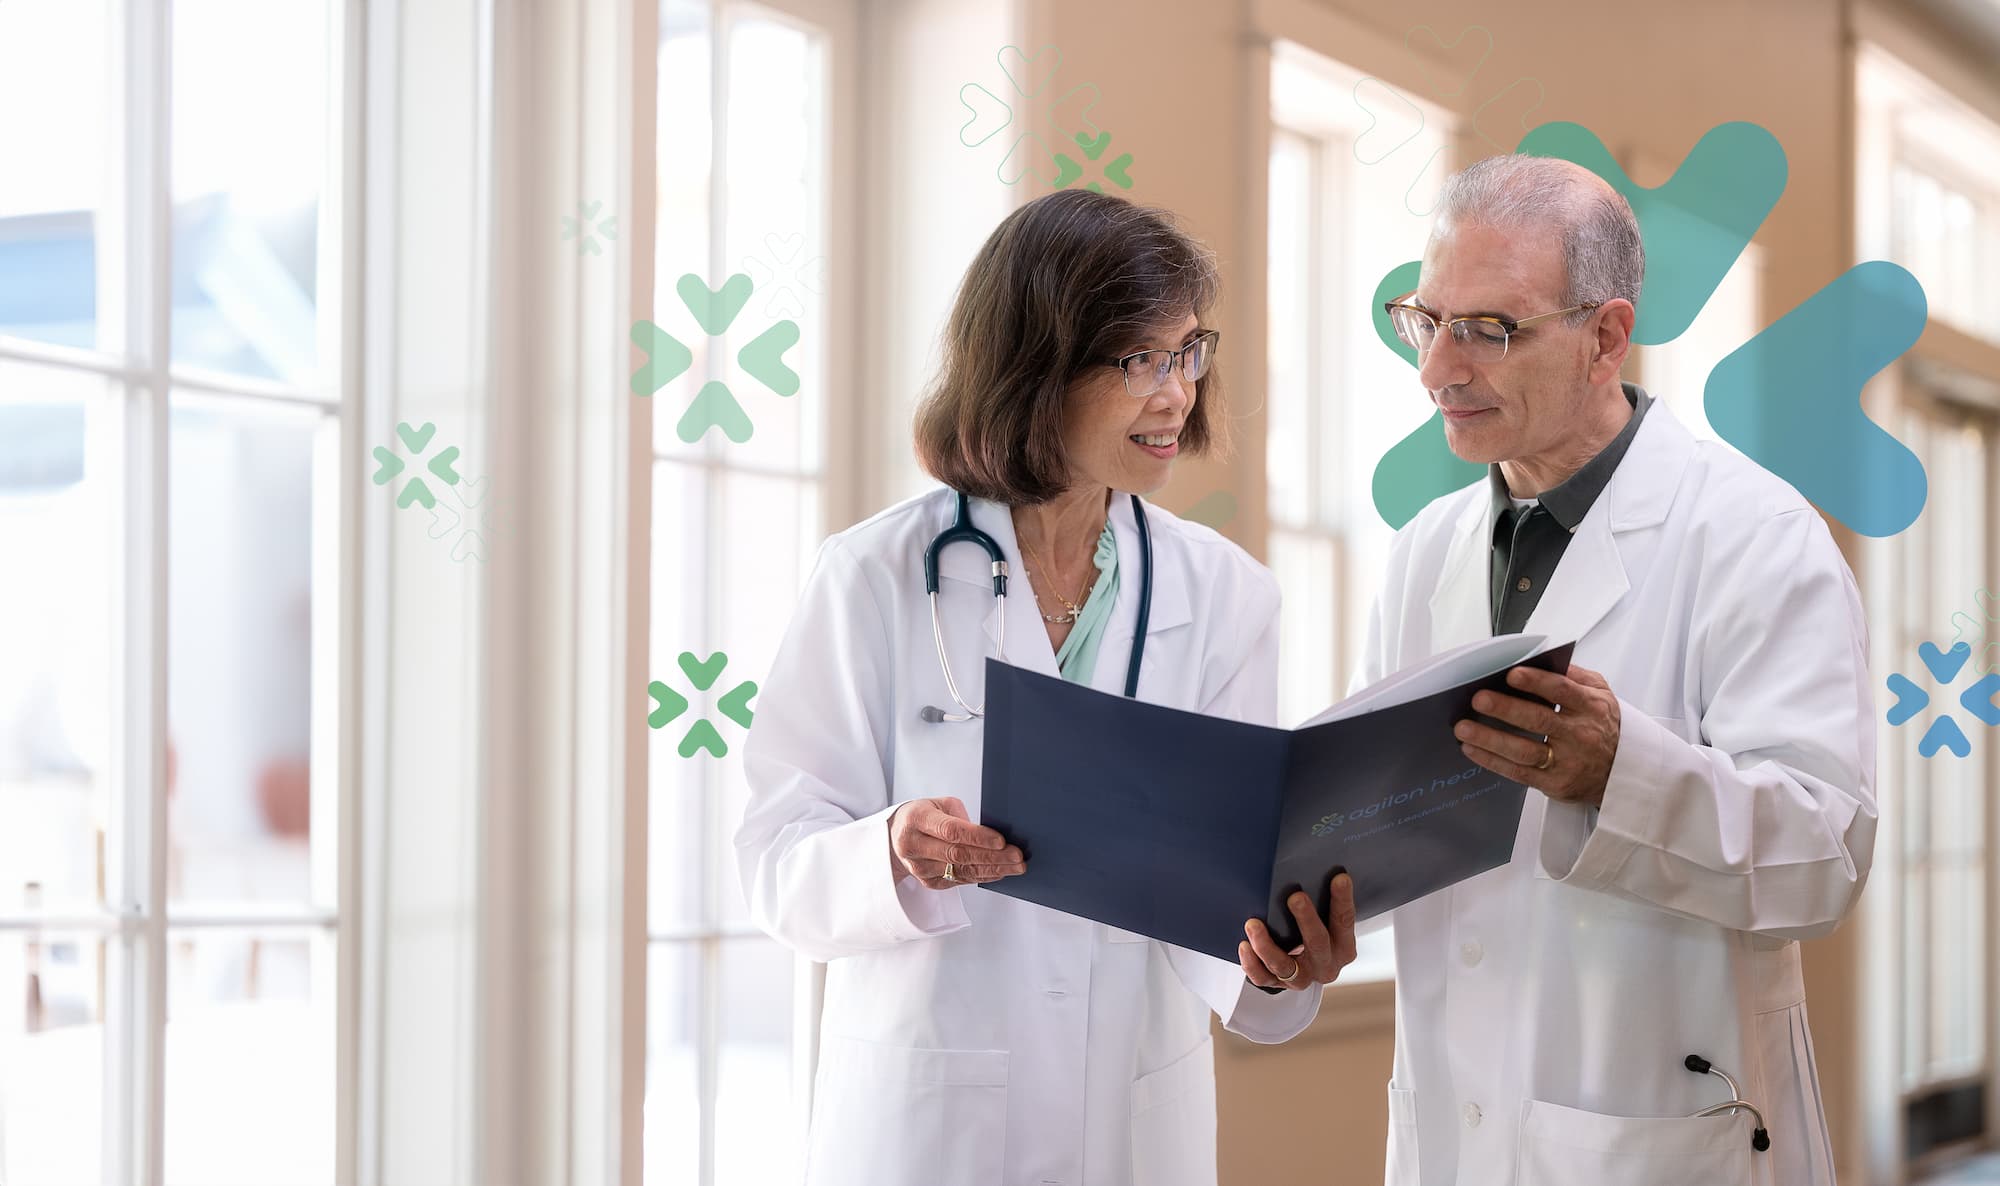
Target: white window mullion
{"points": [[134, 1081]]}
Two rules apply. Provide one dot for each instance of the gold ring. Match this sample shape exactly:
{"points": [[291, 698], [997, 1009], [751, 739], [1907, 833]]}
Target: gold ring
{"points": [[1296, 969], [1549, 758], [950, 871]]}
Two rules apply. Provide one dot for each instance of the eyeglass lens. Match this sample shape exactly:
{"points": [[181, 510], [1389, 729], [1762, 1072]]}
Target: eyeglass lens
{"points": [[1145, 373]]}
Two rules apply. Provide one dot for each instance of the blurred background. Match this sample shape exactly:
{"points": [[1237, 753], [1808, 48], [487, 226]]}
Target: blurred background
{"points": [[334, 843]]}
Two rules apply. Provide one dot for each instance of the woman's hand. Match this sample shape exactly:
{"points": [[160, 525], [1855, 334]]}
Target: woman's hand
{"points": [[1317, 960], [928, 837]]}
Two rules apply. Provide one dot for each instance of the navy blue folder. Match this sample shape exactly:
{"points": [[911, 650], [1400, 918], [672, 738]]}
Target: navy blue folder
{"points": [[1181, 826]]}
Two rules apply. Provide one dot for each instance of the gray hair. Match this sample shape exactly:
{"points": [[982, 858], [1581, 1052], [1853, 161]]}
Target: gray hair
{"points": [[1602, 252]]}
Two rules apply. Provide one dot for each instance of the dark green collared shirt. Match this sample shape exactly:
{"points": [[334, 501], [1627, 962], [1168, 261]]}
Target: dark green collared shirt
{"points": [[1529, 542]]}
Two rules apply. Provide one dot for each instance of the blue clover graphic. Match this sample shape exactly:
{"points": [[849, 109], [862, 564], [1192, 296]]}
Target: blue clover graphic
{"points": [[1981, 699]]}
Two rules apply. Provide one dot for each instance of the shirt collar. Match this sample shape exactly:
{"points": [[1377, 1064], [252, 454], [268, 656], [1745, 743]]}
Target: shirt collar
{"points": [[1569, 500]]}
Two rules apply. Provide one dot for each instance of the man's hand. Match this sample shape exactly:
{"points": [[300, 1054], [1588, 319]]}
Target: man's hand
{"points": [[1317, 960], [1574, 764], [926, 835]]}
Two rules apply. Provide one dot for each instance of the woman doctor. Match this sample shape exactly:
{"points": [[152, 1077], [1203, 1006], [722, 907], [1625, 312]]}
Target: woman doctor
{"points": [[969, 1038]]}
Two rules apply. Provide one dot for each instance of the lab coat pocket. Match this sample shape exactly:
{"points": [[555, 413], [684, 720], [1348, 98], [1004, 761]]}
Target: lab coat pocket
{"points": [[1173, 1121], [1570, 1147], [896, 1116], [1402, 1169]]}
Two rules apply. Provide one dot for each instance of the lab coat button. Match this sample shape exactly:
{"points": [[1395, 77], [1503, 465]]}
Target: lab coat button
{"points": [[1524, 584], [1471, 953], [1472, 1115]]}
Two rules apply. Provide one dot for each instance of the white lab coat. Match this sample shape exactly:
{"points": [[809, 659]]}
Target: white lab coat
{"points": [[969, 1038], [1544, 1008]]}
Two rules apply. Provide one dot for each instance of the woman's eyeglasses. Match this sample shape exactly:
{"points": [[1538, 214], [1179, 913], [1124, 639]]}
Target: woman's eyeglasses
{"points": [[1484, 339], [1146, 370]]}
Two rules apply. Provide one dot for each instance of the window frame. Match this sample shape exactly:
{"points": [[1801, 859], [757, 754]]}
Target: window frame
{"points": [[839, 486], [132, 356]]}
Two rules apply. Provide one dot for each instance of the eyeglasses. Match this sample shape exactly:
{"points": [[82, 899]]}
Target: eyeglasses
{"points": [[1146, 370], [1484, 339]]}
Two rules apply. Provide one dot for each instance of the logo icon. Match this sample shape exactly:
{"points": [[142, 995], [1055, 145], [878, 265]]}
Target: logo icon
{"points": [[1979, 699], [585, 228], [1049, 131], [715, 310], [702, 674], [415, 441]]}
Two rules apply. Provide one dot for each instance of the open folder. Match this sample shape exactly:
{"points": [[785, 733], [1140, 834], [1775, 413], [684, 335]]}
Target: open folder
{"points": [[1181, 826]]}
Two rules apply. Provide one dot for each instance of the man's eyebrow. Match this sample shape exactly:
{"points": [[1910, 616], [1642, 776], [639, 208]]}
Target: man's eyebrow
{"points": [[1480, 313]]}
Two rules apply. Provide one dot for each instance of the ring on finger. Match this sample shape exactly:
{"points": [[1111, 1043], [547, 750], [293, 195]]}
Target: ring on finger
{"points": [[1297, 968], [950, 871]]}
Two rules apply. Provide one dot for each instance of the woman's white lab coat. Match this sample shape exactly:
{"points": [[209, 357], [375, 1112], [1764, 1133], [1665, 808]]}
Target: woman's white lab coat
{"points": [[968, 1038], [1544, 1008]]}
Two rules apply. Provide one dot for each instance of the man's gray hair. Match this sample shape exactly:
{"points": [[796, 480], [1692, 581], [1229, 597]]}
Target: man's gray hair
{"points": [[1600, 236]]}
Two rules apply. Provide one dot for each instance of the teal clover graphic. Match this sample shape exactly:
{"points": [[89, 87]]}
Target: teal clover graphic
{"points": [[715, 310], [702, 674], [585, 226], [415, 440], [1790, 398], [1037, 122], [1981, 699]]}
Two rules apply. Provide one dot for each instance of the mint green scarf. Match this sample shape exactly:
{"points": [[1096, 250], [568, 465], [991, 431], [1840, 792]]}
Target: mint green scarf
{"points": [[1077, 659]]}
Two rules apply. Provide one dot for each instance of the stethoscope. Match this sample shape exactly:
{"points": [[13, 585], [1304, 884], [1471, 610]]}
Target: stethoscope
{"points": [[1760, 1139], [962, 531]]}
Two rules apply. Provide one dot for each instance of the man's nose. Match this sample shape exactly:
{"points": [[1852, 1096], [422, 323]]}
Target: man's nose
{"points": [[1444, 364]]}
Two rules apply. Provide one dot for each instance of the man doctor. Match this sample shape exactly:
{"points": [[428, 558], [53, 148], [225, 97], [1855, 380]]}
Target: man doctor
{"points": [[1707, 775]]}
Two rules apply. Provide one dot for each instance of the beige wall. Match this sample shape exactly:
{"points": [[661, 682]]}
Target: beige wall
{"points": [[1649, 79]]}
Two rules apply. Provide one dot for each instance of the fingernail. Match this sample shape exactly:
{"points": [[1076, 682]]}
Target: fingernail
{"points": [[1299, 950]]}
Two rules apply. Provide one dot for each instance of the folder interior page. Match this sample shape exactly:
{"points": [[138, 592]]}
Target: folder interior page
{"points": [[1181, 826], [1390, 797]]}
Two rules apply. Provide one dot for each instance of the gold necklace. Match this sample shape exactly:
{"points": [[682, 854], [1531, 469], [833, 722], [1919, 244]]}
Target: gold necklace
{"points": [[1072, 610]]}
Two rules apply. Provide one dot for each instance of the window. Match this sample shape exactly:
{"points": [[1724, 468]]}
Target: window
{"points": [[169, 493], [1928, 196], [1337, 397], [746, 103]]}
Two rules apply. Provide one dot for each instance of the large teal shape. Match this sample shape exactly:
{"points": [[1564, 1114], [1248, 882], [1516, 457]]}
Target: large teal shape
{"points": [[1696, 224], [1421, 466], [1790, 398], [1416, 470]]}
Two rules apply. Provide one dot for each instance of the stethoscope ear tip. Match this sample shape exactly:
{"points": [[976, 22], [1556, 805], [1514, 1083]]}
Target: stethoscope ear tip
{"points": [[1760, 1140]]}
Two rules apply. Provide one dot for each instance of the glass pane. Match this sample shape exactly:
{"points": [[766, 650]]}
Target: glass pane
{"points": [[249, 174], [673, 1066], [773, 233], [685, 119], [678, 869], [239, 703], [56, 536], [754, 1143], [51, 1058], [775, 230], [1288, 407], [55, 64], [761, 574], [250, 1059]]}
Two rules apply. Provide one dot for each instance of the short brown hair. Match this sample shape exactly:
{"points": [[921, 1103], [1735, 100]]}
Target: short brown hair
{"points": [[1071, 277]]}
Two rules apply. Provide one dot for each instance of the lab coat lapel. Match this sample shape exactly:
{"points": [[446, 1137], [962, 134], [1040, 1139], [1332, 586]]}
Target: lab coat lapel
{"points": [[1592, 576], [1459, 604]]}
